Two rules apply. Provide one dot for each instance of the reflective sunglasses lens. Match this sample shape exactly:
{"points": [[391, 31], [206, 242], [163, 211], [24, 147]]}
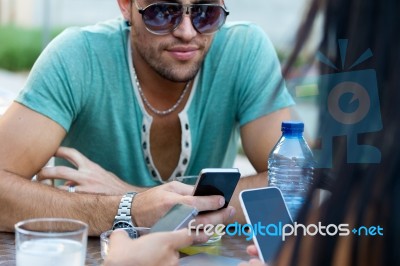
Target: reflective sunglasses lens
{"points": [[207, 18], [162, 18]]}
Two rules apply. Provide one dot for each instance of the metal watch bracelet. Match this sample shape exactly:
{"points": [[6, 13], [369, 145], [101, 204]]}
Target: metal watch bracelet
{"points": [[125, 206]]}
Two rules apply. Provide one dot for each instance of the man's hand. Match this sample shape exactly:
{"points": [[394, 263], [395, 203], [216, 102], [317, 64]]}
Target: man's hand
{"points": [[88, 177], [252, 251], [153, 249], [149, 206]]}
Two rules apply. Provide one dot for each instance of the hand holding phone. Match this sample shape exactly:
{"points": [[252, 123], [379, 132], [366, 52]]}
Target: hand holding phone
{"points": [[217, 181], [267, 207], [176, 218]]}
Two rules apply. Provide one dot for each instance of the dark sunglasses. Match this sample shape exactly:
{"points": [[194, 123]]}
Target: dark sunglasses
{"points": [[164, 18]]}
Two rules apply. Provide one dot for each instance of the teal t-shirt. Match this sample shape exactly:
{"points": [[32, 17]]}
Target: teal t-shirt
{"points": [[83, 82]]}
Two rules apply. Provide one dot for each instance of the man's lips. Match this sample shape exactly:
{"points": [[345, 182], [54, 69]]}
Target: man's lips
{"points": [[183, 53]]}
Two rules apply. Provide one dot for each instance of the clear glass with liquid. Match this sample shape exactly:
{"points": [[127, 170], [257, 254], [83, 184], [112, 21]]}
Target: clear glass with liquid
{"points": [[51, 241]]}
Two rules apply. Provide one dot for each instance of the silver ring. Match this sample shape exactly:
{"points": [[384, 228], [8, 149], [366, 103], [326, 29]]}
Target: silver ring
{"points": [[71, 189]]}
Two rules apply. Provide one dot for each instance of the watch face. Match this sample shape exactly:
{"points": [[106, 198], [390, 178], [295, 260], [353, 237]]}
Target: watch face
{"points": [[122, 224], [132, 232]]}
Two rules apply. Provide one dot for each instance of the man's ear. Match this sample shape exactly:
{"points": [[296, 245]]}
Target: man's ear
{"points": [[125, 7]]}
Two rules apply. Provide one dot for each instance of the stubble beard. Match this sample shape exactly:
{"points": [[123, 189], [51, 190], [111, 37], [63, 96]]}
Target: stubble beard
{"points": [[152, 55]]}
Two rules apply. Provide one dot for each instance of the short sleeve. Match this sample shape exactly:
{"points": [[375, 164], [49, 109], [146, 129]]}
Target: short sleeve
{"points": [[258, 80], [56, 85]]}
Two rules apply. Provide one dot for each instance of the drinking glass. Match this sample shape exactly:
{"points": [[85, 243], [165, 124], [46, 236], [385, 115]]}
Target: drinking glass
{"points": [[51, 241]]}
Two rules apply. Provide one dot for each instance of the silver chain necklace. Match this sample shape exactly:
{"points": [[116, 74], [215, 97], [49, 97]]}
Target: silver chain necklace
{"points": [[154, 110]]}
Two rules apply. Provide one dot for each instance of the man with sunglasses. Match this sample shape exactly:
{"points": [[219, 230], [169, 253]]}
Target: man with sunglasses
{"points": [[159, 94]]}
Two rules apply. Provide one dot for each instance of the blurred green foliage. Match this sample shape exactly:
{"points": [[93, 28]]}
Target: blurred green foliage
{"points": [[20, 47], [283, 56]]}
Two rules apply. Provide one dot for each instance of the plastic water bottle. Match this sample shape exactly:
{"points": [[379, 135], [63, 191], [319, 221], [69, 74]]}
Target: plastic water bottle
{"points": [[291, 166]]}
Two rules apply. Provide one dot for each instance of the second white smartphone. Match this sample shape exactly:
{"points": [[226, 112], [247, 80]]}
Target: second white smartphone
{"points": [[265, 207], [176, 218]]}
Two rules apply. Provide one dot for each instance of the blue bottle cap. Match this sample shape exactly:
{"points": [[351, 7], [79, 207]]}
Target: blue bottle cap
{"points": [[292, 127]]}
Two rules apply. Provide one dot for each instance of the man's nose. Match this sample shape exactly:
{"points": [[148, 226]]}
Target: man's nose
{"points": [[185, 30]]}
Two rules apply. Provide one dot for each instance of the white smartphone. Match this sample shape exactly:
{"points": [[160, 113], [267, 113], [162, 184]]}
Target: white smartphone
{"points": [[265, 207], [176, 218], [217, 181]]}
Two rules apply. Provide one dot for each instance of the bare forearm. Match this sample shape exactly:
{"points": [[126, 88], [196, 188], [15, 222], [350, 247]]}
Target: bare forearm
{"points": [[22, 199], [259, 180]]}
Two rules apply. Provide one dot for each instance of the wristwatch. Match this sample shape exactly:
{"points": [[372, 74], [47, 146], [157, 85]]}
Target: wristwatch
{"points": [[123, 219]]}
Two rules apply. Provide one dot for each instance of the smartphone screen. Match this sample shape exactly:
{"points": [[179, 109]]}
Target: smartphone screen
{"points": [[176, 218], [265, 207], [217, 181]]}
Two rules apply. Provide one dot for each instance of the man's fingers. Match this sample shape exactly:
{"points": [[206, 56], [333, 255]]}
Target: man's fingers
{"points": [[176, 239], [199, 237], [72, 155], [216, 217], [180, 239], [205, 203], [119, 235], [180, 188], [255, 262], [59, 172], [67, 188], [252, 250]]}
